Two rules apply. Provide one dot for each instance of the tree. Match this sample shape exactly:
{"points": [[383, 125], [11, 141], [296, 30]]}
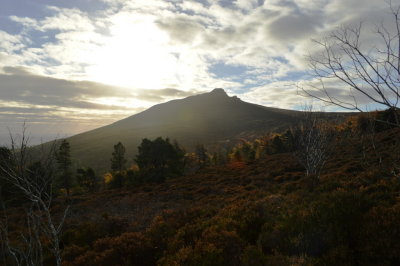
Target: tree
{"points": [[312, 140], [159, 159], [64, 166], [118, 161], [6, 188], [42, 227], [277, 144], [117, 181], [288, 140], [248, 151], [5, 158], [368, 72], [87, 179], [201, 155]]}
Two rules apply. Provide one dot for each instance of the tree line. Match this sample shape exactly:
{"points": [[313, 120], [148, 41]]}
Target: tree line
{"points": [[160, 159]]}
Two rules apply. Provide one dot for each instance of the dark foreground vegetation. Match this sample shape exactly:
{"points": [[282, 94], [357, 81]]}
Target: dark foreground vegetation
{"points": [[318, 194]]}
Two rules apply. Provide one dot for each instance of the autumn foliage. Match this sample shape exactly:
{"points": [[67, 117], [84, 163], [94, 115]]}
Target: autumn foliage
{"points": [[259, 208]]}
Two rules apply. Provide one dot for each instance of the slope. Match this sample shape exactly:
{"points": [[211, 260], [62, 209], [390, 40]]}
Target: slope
{"points": [[261, 213], [210, 118]]}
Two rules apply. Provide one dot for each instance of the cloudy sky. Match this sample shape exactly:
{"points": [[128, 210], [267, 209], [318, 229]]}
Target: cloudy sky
{"points": [[67, 66]]}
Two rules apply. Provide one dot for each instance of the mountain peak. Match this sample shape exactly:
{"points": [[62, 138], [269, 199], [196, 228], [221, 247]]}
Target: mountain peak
{"points": [[219, 91], [209, 118]]}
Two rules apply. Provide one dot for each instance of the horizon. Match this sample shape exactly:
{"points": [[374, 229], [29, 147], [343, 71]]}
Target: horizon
{"points": [[72, 66]]}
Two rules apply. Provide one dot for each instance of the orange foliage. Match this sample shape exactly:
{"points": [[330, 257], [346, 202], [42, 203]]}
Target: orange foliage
{"points": [[260, 212]]}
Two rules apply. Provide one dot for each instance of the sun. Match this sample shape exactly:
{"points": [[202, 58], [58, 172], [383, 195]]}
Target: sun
{"points": [[136, 54]]}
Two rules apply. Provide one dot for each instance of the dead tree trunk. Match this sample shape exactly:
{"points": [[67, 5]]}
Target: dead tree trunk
{"points": [[42, 227]]}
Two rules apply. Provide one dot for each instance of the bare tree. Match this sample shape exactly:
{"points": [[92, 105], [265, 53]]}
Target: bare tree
{"points": [[369, 73], [313, 143], [35, 185]]}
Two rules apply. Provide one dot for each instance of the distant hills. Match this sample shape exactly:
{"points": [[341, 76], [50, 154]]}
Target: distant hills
{"points": [[211, 118]]}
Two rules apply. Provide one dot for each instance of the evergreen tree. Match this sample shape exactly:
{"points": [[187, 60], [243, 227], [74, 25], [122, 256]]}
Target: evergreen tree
{"points": [[179, 156], [117, 181], [248, 152], [87, 179], [133, 177], [201, 155], [159, 159], [289, 140], [277, 144], [237, 155], [214, 159], [64, 166], [118, 161], [221, 156], [39, 175]]}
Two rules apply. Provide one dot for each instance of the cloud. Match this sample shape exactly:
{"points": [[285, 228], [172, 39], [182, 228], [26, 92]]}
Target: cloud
{"points": [[20, 85], [17, 84], [163, 94], [65, 19], [10, 43], [181, 28], [249, 33], [246, 4], [293, 27], [123, 57], [75, 106], [276, 94]]}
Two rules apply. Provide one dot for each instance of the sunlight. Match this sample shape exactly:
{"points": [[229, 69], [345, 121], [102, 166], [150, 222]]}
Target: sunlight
{"points": [[127, 103], [136, 55]]}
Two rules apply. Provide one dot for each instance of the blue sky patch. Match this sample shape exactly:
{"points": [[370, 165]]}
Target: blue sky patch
{"points": [[222, 70]]}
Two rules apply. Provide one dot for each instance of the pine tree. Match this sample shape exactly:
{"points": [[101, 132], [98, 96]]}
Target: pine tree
{"points": [[64, 166], [159, 159], [201, 155], [118, 161], [87, 179]]}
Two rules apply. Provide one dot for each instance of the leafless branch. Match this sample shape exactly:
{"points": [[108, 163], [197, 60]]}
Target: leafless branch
{"points": [[372, 73], [36, 187], [313, 140]]}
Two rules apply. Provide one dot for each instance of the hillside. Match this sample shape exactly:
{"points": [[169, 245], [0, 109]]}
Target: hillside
{"points": [[248, 210], [212, 119], [257, 213]]}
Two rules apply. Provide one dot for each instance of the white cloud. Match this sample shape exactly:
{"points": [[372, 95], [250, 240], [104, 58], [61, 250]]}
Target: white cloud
{"points": [[146, 43], [67, 20], [11, 43], [156, 44], [64, 107], [246, 4], [276, 94]]}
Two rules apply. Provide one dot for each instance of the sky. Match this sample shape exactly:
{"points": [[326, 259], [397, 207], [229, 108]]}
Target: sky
{"points": [[68, 66]]}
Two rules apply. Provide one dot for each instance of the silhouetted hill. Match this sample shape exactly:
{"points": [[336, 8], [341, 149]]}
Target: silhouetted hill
{"points": [[209, 118]]}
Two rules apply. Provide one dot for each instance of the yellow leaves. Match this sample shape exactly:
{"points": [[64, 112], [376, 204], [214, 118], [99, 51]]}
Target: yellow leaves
{"points": [[108, 177]]}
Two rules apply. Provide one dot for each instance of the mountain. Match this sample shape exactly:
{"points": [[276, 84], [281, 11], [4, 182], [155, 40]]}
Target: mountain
{"points": [[211, 118]]}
